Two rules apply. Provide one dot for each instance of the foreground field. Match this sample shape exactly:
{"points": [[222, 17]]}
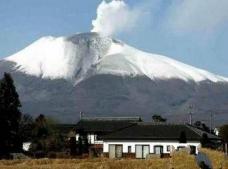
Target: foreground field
{"points": [[180, 160], [217, 158]]}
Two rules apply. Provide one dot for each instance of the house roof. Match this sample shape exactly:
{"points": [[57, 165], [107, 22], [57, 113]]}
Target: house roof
{"points": [[105, 124], [65, 128], [153, 131], [201, 132]]}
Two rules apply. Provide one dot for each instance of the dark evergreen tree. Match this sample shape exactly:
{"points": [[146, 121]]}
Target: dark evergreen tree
{"points": [[10, 116]]}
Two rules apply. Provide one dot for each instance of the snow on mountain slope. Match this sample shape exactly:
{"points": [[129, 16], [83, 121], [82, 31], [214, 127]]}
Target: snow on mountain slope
{"points": [[80, 56]]}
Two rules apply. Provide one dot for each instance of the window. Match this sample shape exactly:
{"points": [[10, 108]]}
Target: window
{"points": [[192, 149], [97, 137], [180, 148], [168, 148], [158, 149], [142, 151], [129, 149]]}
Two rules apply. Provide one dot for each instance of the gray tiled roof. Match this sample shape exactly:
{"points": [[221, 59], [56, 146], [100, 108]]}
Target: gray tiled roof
{"points": [[105, 124], [201, 132], [153, 131]]}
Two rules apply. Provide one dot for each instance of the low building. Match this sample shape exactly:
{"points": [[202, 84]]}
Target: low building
{"points": [[94, 128], [147, 139]]}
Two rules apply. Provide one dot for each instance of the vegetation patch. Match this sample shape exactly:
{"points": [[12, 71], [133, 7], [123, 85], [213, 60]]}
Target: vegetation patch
{"points": [[217, 158], [179, 160]]}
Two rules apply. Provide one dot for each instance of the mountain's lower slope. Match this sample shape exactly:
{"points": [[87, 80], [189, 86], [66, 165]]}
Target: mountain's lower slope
{"points": [[110, 95], [62, 76]]}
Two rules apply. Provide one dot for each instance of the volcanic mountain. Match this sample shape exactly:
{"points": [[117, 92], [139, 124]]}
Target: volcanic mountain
{"points": [[61, 76]]}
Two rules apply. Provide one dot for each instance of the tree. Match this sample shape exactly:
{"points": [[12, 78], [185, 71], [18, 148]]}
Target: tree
{"points": [[202, 126], [10, 116], [205, 141], [198, 123], [40, 133], [46, 137], [158, 118], [223, 133], [205, 128], [41, 127], [73, 146], [83, 143], [26, 128]]}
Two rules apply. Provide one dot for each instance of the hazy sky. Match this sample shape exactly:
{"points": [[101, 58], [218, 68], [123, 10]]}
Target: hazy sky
{"points": [[192, 31]]}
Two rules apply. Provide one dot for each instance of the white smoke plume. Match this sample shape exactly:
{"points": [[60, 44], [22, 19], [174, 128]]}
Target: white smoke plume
{"points": [[114, 17]]}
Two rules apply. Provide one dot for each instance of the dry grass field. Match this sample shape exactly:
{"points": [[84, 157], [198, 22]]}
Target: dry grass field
{"points": [[180, 160], [217, 158]]}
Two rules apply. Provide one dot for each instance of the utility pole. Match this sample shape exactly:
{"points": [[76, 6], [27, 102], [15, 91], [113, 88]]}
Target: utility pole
{"points": [[81, 115], [190, 114], [211, 121], [190, 118], [226, 150]]}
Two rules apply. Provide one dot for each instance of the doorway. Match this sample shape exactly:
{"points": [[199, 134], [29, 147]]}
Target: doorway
{"points": [[115, 151], [141, 151]]}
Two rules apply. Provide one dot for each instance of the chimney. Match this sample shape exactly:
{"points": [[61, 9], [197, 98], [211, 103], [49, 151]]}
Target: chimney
{"points": [[211, 122]]}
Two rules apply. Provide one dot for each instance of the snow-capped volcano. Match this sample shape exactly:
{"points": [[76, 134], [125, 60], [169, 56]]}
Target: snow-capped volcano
{"points": [[80, 56], [61, 76]]}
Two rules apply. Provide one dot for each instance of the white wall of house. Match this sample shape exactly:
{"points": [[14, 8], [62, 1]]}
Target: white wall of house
{"points": [[174, 144], [92, 139]]}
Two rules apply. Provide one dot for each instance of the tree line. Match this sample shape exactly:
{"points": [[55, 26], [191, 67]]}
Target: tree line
{"points": [[16, 127]]}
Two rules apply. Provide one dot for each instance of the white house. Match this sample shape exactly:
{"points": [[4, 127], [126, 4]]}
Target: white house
{"points": [[143, 139], [129, 137]]}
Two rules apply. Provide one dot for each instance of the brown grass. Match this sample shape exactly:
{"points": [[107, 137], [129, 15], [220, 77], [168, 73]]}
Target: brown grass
{"points": [[217, 158], [183, 160], [180, 160]]}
